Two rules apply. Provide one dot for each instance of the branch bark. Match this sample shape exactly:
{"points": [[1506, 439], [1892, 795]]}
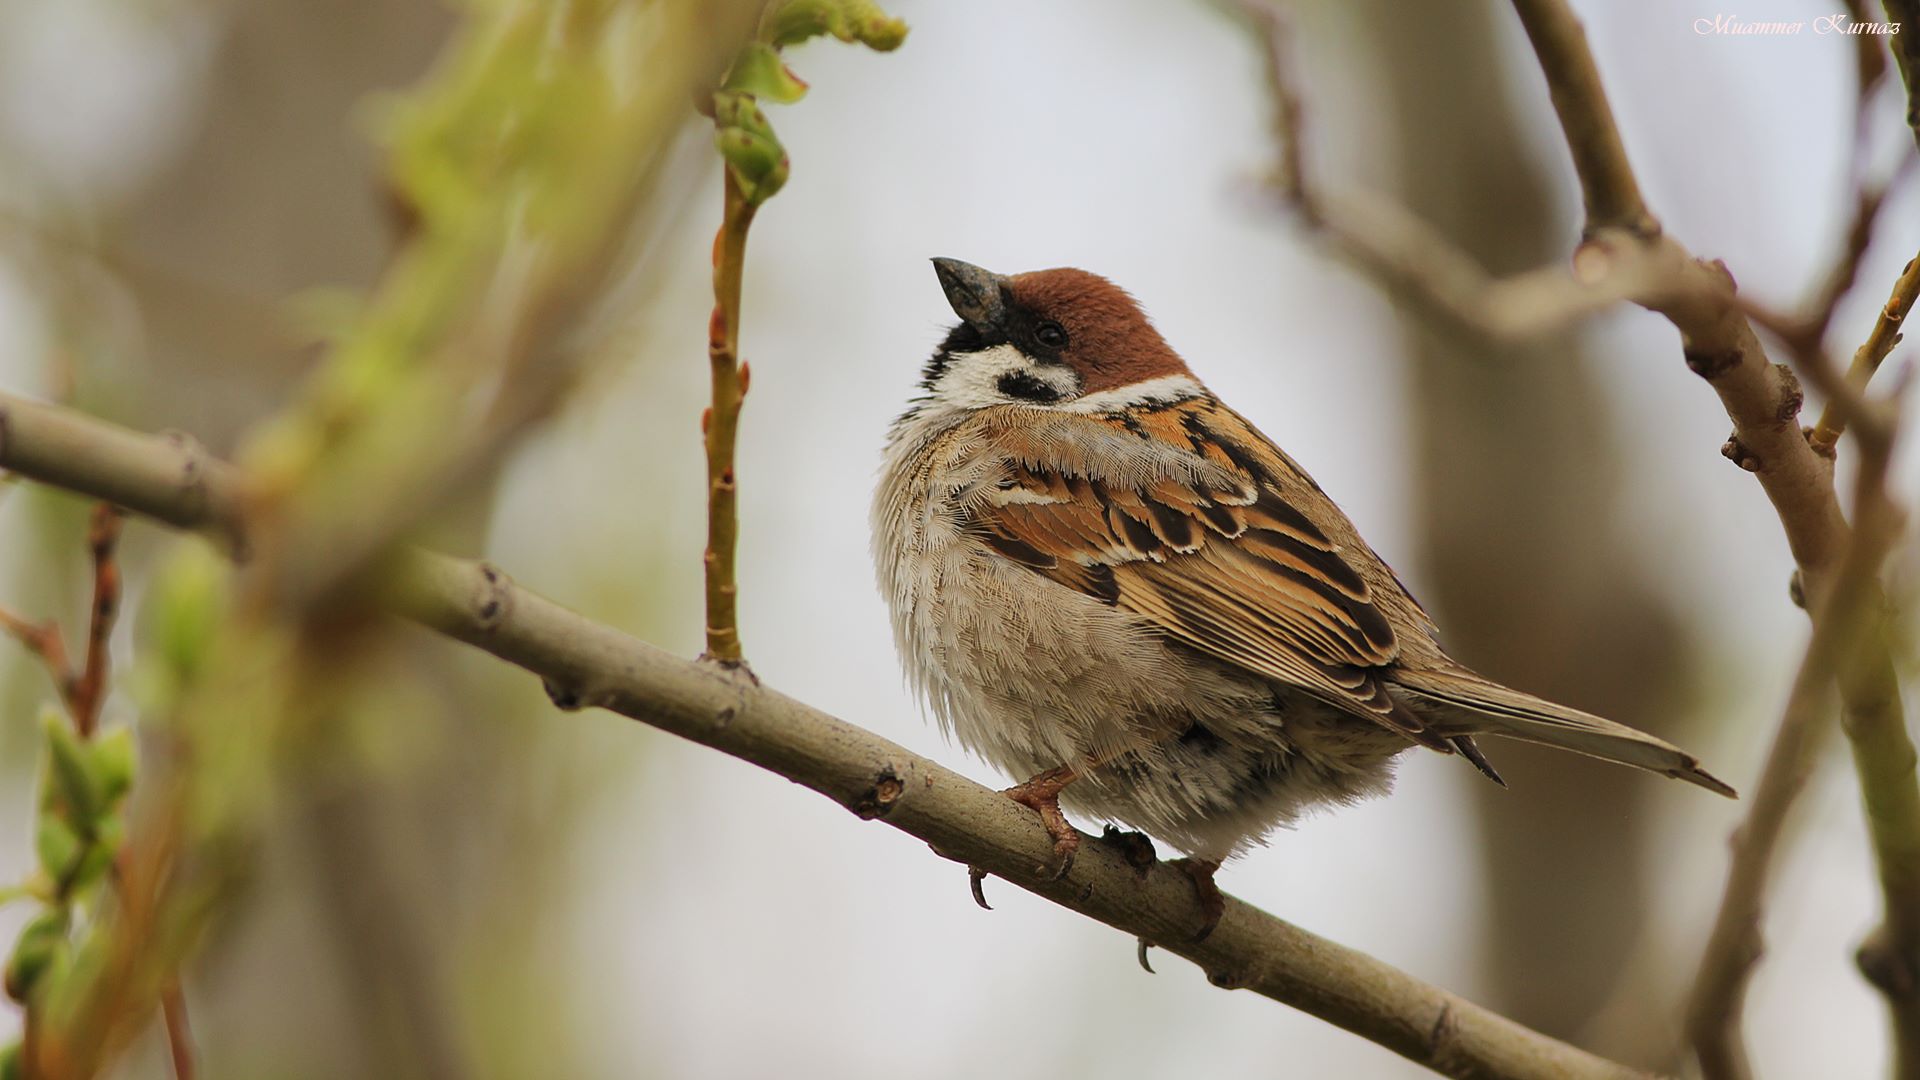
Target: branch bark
{"points": [[587, 664]]}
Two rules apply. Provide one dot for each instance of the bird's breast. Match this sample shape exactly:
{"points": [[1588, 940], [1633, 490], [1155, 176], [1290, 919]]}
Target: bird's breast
{"points": [[1025, 672]]}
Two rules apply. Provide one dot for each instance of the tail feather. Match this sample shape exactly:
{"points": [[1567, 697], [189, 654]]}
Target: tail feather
{"points": [[1462, 704]]}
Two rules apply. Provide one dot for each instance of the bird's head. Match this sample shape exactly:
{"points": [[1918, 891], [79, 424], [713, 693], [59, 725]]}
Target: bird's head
{"points": [[1060, 338]]}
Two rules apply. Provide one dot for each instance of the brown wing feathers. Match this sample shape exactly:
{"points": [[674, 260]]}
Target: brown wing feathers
{"points": [[1233, 570]]}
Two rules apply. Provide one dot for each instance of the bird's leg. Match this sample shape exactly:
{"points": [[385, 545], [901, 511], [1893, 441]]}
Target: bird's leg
{"points": [[1212, 904], [1041, 794]]}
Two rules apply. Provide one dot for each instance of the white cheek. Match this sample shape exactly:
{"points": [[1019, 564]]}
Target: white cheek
{"points": [[972, 380]]}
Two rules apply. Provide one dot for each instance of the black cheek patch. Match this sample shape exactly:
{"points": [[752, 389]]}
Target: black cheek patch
{"points": [[1025, 387]]}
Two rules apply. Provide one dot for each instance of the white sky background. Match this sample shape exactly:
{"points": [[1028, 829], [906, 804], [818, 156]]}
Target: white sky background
{"points": [[753, 928]]}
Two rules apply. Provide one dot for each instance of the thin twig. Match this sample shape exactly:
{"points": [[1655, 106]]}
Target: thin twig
{"points": [[103, 535], [963, 821], [1607, 183], [43, 640], [1872, 352], [1418, 264], [721, 423], [1806, 331]]}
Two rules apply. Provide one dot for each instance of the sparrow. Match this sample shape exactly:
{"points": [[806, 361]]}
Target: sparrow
{"points": [[1102, 578]]}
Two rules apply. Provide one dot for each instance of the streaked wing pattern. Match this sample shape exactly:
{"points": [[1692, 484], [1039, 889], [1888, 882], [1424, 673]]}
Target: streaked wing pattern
{"points": [[1233, 569]]}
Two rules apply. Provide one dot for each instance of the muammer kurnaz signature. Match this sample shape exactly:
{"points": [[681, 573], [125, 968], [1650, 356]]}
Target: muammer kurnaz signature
{"points": [[1729, 26]]}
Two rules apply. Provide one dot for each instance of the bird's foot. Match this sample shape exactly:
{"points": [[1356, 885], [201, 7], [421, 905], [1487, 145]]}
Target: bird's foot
{"points": [[1042, 795], [1212, 904]]}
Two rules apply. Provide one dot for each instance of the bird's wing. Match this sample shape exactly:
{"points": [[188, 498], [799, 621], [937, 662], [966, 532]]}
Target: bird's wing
{"points": [[1189, 517]]}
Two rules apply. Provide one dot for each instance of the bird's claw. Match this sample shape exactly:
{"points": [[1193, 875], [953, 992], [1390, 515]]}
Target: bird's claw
{"points": [[1042, 795]]}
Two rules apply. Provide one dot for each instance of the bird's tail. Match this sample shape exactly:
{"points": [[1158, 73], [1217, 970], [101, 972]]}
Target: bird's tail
{"points": [[1460, 703]]}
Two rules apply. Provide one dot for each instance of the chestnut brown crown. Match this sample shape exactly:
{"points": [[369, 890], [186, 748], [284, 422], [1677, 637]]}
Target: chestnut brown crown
{"points": [[1064, 316]]}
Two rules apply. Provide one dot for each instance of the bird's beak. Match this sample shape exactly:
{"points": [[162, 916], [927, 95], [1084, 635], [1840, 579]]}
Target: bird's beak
{"points": [[973, 292]]}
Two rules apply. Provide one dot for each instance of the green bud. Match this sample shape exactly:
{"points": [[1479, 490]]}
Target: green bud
{"points": [[92, 868], [59, 847], [758, 71], [41, 945], [10, 1066], [736, 109], [759, 164], [110, 760], [69, 790]]}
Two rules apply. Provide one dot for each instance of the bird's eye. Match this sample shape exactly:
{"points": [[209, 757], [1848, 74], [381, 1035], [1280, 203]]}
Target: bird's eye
{"points": [[1051, 334]]}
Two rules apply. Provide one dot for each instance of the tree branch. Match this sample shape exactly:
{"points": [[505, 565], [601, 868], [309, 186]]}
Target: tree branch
{"points": [[1624, 254], [1883, 752], [1838, 568], [1607, 183], [1413, 260], [587, 664], [1762, 399]]}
